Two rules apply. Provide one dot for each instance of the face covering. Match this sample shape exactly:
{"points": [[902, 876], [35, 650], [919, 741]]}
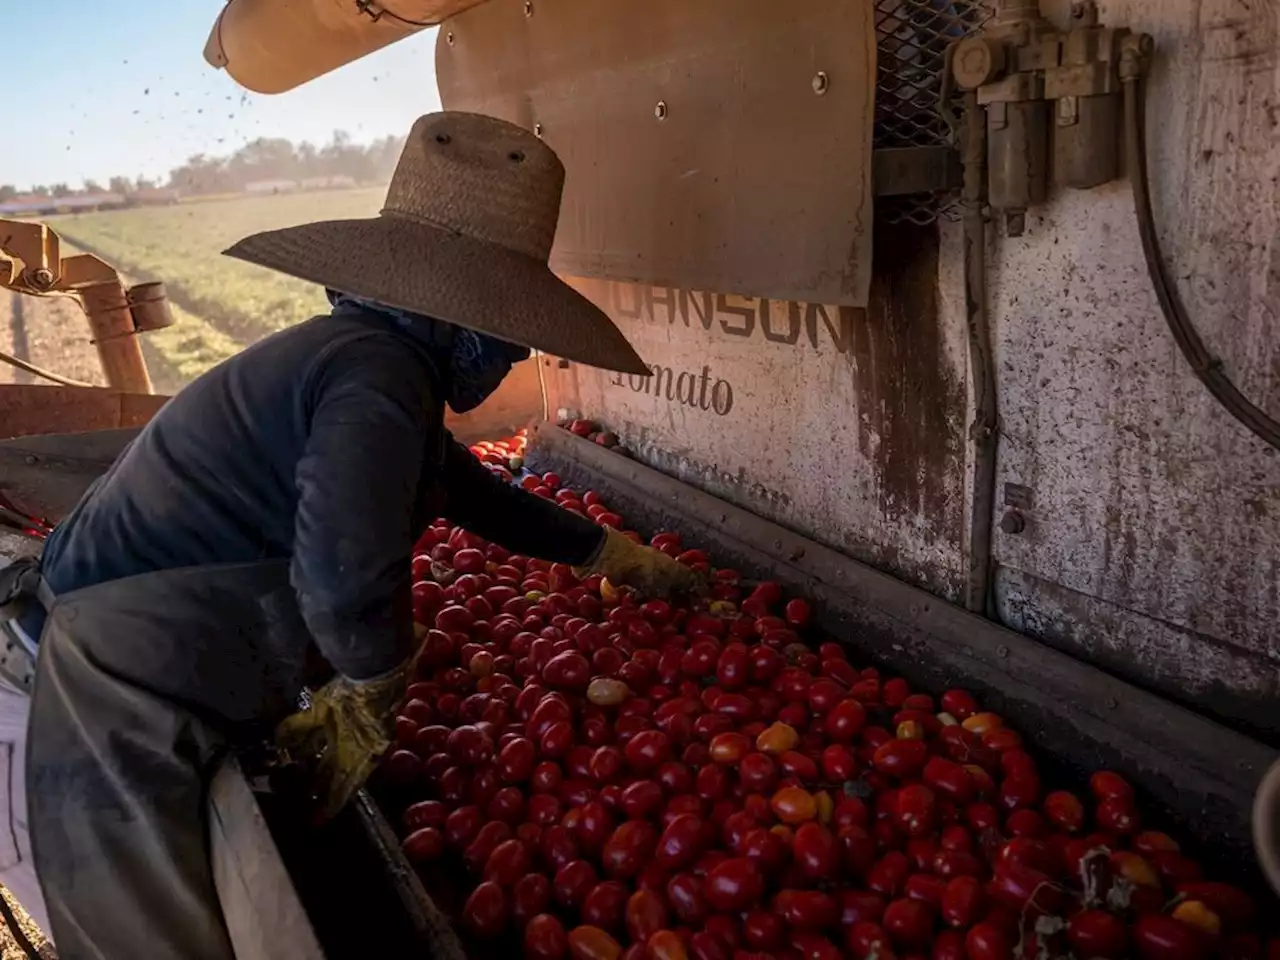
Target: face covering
{"points": [[470, 364]]}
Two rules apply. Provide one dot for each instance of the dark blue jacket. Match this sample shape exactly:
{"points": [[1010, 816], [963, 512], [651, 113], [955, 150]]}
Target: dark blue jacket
{"points": [[319, 444]]}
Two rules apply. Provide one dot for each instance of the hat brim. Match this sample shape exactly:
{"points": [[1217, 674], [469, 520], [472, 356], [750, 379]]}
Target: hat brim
{"points": [[425, 269]]}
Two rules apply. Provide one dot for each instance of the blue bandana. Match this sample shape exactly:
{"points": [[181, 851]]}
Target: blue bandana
{"points": [[470, 364]]}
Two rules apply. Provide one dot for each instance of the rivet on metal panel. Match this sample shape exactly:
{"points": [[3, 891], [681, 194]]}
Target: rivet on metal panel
{"points": [[528, 8], [448, 38], [821, 82], [1013, 522], [42, 277], [660, 110], [1002, 651], [31, 460]]}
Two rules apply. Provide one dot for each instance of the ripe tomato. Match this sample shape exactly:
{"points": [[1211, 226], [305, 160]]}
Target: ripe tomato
{"points": [[729, 748], [641, 799], [485, 912], [948, 945], [916, 811], [605, 905], [928, 888], [1107, 785], [806, 909], [629, 848], [1118, 814], [680, 844], [901, 758], [592, 943], [888, 876], [509, 861], [648, 750], [545, 938], [909, 923], [733, 885], [1159, 937], [1096, 933], [764, 930], [794, 805], [685, 894], [645, 915], [845, 721], [1064, 810], [530, 896], [962, 902], [816, 852], [424, 845], [988, 941], [666, 945]]}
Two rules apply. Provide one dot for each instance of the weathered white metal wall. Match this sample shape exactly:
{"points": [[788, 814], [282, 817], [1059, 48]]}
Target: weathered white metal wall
{"points": [[1153, 538]]}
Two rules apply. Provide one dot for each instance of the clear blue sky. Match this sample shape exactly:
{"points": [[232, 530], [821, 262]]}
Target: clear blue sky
{"points": [[104, 87]]}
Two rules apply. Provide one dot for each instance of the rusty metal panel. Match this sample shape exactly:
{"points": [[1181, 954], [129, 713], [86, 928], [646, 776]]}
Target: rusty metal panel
{"points": [[718, 145], [27, 410], [843, 423]]}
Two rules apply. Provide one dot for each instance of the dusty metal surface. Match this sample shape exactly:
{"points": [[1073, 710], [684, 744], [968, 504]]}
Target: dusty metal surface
{"points": [[26, 410], [45, 476], [845, 424], [1153, 540], [1200, 776], [721, 145]]}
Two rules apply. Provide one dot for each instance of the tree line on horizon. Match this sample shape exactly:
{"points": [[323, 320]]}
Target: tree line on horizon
{"points": [[267, 158]]}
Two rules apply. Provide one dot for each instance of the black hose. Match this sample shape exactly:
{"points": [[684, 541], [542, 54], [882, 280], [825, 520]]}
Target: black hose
{"points": [[1206, 367]]}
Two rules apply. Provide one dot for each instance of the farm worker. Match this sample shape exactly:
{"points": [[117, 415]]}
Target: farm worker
{"points": [[269, 510]]}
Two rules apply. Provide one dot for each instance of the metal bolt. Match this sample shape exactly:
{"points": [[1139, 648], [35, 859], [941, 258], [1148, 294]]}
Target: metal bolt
{"points": [[30, 460], [528, 8], [1013, 522], [821, 82], [42, 277], [660, 111], [537, 130], [448, 38], [1002, 651]]}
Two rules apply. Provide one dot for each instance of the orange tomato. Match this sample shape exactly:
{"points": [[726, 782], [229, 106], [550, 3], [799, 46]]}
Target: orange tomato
{"points": [[777, 739], [794, 805], [981, 723]]}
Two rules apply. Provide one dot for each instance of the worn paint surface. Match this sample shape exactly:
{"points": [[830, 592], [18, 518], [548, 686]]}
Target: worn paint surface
{"points": [[844, 424], [1153, 543]]}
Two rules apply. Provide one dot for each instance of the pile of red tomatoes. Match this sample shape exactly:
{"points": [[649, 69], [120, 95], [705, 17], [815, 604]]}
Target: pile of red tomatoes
{"points": [[620, 778]]}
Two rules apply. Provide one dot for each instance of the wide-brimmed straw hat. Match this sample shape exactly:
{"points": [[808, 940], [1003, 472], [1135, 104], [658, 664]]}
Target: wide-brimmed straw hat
{"points": [[464, 236]]}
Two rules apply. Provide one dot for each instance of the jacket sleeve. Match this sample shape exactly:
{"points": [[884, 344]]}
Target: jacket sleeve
{"points": [[511, 517], [358, 483]]}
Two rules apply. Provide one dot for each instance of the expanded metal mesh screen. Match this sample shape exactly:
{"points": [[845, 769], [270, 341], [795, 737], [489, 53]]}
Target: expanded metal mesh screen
{"points": [[911, 43]]}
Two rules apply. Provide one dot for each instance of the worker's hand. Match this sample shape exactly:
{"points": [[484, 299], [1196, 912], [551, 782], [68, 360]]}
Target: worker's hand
{"points": [[345, 730], [624, 562]]}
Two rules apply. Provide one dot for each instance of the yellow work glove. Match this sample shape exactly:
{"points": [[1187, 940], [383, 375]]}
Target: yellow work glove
{"points": [[624, 562], [348, 726]]}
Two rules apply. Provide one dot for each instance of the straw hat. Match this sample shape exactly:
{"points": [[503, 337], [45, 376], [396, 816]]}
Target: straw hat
{"points": [[464, 236]]}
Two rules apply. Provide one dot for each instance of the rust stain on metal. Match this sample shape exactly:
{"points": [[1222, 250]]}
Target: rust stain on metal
{"points": [[916, 441]]}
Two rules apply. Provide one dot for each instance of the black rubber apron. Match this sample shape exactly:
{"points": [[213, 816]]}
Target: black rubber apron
{"points": [[141, 686]]}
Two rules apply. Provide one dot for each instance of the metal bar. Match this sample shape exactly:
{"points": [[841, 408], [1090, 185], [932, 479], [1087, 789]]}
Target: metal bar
{"points": [[119, 351]]}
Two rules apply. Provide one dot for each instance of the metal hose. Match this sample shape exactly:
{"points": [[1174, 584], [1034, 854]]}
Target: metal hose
{"points": [[1206, 367]]}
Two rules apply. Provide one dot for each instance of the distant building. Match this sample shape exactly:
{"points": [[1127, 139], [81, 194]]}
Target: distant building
{"points": [[33, 206], [339, 182]]}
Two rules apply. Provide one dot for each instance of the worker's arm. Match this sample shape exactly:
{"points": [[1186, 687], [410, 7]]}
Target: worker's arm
{"points": [[511, 517], [523, 523], [357, 489]]}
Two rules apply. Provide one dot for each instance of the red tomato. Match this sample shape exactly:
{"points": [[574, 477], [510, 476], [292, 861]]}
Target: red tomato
{"points": [[962, 902], [1118, 814], [1233, 905], [686, 896], [641, 799], [916, 810], [909, 923], [629, 848], [988, 941], [592, 943], [509, 861], [764, 930], [889, 874], [901, 758], [766, 848], [424, 845], [1064, 810], [1159, 937], [806, 909], [729, 748], [734, 885], [845, 721], [680, 844], [545, 938], [949, 779], [1107, 785], [839, 763], [530, 896], [948, 945], [816, 852], [645, 915], [927, 888], [868, 940], [485, 912], [605, 906], [648, 750], [1096, 933], [572, 883]]}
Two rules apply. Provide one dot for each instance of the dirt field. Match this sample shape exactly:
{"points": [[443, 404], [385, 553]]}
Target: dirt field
{"points": [[220, 305]]}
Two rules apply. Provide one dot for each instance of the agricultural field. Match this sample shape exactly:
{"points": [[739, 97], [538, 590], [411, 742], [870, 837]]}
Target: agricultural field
{"points": [[220, 305]]}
